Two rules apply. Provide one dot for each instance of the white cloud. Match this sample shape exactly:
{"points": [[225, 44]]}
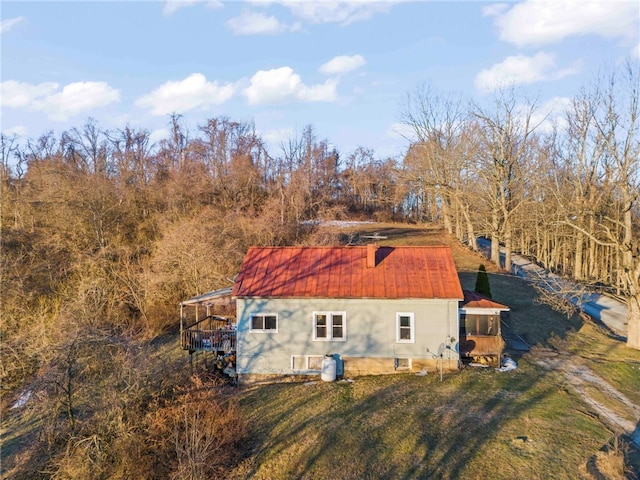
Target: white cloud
{"points": [[184, 95], [160, 134], [635, 51], [494, 9], [277, 136], [77, 98], [255, 23], [342, 64], [520, 70], [400, 131], [19, 95], [19, 130], [280, 85], [172, 6], [343, 12], [73, 99], [9, 23], [535, 22], [214, 4]]}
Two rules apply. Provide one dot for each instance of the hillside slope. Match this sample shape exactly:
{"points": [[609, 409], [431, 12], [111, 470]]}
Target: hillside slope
{"points": [[144, 417]]}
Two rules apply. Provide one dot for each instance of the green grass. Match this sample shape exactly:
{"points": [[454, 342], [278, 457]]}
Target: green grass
{"points": [[477, 424]]}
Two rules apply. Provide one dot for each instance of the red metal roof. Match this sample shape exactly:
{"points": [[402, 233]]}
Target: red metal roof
{"points": [[342, 272], [475, 300]]}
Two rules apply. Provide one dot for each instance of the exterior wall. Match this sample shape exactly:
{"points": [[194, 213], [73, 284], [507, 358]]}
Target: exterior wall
{"points": [[370, 331]]}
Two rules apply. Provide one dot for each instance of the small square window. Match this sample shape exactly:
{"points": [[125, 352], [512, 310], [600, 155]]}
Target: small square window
{"points": [[298, 362], [306, 363], [270, 322], [402, 363], [315, 362], [321, 326], [336, 322], [264, 323]]}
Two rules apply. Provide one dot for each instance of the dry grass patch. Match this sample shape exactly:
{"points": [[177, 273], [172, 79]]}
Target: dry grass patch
{"points": [[404, 426]]}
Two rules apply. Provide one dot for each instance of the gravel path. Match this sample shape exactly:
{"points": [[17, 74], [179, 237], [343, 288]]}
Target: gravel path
{"points": [[620, 414]]}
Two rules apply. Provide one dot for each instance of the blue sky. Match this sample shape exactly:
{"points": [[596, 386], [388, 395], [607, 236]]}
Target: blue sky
{"points": [[342, 67]]}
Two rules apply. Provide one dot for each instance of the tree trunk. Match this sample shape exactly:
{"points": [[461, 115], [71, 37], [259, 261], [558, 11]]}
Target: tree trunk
{"points": [[495, 239], [471, 236], [495, 249], [633, 319], [446, 215], [577, 267], [507, 246]]}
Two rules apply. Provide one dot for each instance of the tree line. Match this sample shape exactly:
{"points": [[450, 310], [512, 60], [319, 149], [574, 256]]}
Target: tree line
{"points": [[124, 227], [565, 194], [104, 232]]}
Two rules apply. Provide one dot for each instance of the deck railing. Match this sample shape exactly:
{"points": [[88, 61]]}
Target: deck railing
{"points": [[209, 340]]}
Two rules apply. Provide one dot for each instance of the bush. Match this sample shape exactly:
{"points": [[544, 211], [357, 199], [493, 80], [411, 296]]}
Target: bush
{"points": [[482, 282]]}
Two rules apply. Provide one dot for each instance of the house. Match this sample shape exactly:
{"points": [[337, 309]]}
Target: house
{"points": [[373, 309], [480, 328]]}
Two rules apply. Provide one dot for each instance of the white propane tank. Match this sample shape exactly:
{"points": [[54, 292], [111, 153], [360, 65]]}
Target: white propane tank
{"points": [[328, 372]]}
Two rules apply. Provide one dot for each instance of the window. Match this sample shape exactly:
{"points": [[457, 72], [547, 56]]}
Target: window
{"points": [[329, 326], [405, 328], [402, 363], [267, 322], [478, 324], [312, 363]]}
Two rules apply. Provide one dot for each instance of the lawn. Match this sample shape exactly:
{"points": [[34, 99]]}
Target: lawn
{"points": [[474, 424], [478, 423]]}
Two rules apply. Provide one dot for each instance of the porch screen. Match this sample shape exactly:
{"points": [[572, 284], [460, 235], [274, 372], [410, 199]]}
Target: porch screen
{"points": [[485, 325]]}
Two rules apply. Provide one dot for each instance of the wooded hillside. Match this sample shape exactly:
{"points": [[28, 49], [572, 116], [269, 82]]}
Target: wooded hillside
{"points": [[104, 232], [115, 230]]}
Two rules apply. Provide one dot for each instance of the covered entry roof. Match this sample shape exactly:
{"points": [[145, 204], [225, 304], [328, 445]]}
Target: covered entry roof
{"points": [[474, 300], [346, 272], [216, 297]]}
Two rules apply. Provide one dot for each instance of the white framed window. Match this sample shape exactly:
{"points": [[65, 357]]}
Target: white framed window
{"points": [[405, 328], [330, 326], [306, 363], [264, 322], [402, 363]]}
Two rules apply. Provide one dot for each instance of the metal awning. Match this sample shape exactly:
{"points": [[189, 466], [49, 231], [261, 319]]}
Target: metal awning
{"points": [[210, 298]]}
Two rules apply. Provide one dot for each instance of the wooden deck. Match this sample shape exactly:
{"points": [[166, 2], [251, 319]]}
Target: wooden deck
{"points": [[209, 334], [209, 340]]}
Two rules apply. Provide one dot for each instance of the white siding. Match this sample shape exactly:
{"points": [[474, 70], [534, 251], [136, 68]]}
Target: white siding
{"points": [[370, 331]]}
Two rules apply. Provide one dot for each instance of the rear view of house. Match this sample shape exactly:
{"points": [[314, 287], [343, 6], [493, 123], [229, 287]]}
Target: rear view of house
{"points": [[373, 309]]}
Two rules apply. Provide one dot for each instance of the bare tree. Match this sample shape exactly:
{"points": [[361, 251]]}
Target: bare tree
{"points": [[440, 158], [620, 127], [603, 153], [506, 131], [87, 148]]}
